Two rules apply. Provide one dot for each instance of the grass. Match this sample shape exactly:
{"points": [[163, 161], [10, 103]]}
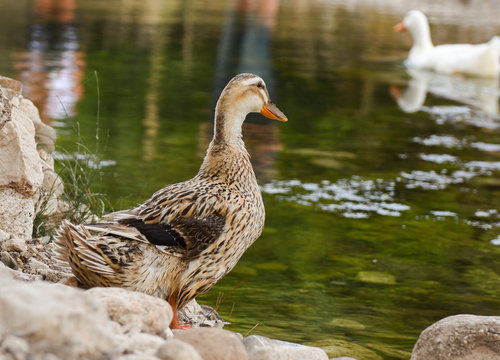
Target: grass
{"points": [[80, 173]]}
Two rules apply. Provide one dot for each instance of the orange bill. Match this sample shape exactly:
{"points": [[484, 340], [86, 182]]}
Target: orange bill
{"points": [[271, 111], [399, 27]]}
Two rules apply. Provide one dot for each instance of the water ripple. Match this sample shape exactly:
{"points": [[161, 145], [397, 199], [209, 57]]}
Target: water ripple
{"points": [[355, 198]]}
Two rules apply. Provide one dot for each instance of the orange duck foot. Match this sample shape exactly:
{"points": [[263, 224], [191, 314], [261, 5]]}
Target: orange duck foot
{"points": [[175, 320]]}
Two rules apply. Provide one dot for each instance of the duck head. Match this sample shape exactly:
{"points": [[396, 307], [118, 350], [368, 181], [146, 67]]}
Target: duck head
{"points": [[418, 26], [245, 93]]}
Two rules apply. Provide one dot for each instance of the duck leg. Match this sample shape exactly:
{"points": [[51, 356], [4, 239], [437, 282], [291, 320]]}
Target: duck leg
{"points": [[175, 320]]}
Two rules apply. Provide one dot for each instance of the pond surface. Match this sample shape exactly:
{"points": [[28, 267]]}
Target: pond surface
{"points": [[382, 191]]}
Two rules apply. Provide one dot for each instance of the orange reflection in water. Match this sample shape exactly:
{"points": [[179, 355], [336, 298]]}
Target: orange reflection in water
{"points": [[52, 67]]}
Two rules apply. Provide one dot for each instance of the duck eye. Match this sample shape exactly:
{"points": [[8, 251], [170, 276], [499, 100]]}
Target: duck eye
{"points": [[260, 85]]}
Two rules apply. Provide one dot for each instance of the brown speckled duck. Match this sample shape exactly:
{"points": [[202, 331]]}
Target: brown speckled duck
{"points": [[188, 235]]}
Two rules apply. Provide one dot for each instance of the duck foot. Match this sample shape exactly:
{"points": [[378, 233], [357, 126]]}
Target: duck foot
{"points": [[175, 320]]}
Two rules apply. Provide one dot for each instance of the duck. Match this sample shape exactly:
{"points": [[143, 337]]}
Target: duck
{"points": [[476, 60], [188, 235]]}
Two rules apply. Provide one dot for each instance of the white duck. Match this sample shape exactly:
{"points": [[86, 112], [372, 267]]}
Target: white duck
{"points": [[478, 60]]}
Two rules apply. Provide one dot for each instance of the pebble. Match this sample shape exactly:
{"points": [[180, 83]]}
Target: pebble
{"points": [[8, 260], [14, 244]]}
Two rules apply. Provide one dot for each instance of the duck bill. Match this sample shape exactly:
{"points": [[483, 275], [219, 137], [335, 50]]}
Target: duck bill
{"points": [[271, 111], [399, 27]]}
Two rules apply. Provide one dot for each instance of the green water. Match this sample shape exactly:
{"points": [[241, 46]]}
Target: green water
{"points": [[379, 221]]}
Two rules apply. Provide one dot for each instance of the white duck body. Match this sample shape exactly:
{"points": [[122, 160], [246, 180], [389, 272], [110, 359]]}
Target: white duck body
{"points": [[478, 60]]}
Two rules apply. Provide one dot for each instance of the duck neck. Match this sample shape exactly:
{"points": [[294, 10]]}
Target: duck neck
{"points": [[227, 125], [422, 42], [227, 149]]}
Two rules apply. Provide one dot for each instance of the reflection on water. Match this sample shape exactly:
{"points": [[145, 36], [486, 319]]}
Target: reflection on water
{"points": [[52, 66], [245, 46], [479, 93], [381, 218]]}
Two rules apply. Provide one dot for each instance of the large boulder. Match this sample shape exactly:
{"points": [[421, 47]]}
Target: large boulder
{"points": [[21, 172], [262, 348], [44, 318], [213, 343], [460, 337], [27, 168], [135, 311]]}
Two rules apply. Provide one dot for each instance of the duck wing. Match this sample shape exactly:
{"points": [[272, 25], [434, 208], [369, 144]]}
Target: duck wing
{"points": [[175, 218]]}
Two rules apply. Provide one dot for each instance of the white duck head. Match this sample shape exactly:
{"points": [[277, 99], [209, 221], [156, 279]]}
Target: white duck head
{"points": [[418, 26]]}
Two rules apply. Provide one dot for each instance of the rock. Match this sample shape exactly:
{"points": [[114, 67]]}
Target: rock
{"points": [[38, 266], [8, 260], [198, 316], [213, 343], [175, 349], [14, 244], [16, 213], [146, 344], [10, 90], [20, 167], [135, 310], [11, 84], [54, 319], [460, 337], [3, 236], [340, 348], [136, 357], [17, 347], [262, 348], [45, 135]]}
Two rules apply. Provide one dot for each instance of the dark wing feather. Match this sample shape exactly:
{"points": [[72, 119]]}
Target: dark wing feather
{"points": [[191, 234], [199, 233], [156, 233]]}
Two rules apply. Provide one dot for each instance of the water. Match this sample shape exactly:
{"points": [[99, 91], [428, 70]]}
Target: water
{"points": [[382, 214]]}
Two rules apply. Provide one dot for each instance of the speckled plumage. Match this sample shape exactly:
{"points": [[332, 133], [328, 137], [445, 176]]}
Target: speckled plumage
{"points": [[188, 235]]}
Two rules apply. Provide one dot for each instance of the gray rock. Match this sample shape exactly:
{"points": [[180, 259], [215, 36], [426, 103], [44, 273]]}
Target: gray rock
{"points": [[135, 310], [20, 169], [460, 337], [135, 357], [138, 342], [213, 343], [3, 236], [262, 348], [8, 260], [15, 346], [54, 319], [14, 243], [198, 316], [175, 349]]}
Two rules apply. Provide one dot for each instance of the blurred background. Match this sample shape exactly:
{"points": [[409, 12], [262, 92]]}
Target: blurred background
{"points": [[382, 191]]}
